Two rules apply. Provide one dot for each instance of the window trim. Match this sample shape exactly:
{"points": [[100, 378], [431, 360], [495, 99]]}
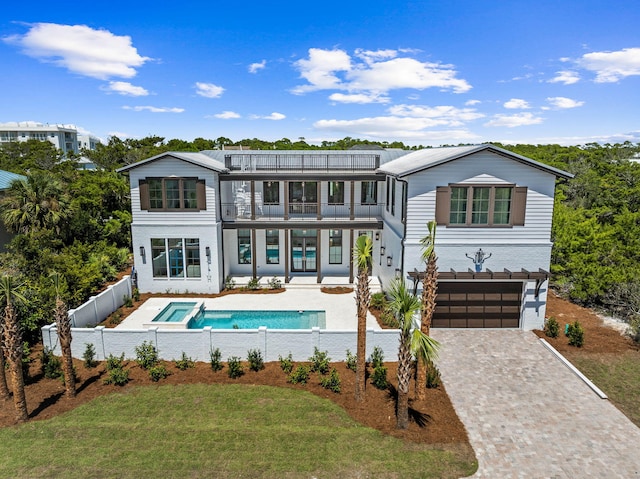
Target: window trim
{"points": [[517, 211], [182, 263], [145, 198]]}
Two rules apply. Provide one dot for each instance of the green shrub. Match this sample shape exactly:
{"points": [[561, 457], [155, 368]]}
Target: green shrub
{"points": [[352, 361], [229, 283], [378, 301], [253, 284], [319, 361], [117, 376], [275, 283], [51, 365], [433, 376], [388, 319], [185, 362], [286, 364], [235, 367], [332, 381], [379, 377], [147, 355], [256, 363], [89, 356], [216, 363], [115, 362], [115, 318], [377, 357], [158, 372], [634, 329], [575, 333], [551, 327], [127, 301], [135, 293], [300, 375]]}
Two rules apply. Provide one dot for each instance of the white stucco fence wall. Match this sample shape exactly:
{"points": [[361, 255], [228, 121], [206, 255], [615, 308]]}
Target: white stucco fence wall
{"points": [[99, 307], [198, 343]]}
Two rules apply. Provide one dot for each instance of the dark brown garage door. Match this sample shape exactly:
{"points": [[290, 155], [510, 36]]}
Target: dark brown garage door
{"points": [[477, 304]]}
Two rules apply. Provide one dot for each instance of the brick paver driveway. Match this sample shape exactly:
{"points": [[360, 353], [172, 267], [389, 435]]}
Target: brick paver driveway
{"points": [[527, 414]]}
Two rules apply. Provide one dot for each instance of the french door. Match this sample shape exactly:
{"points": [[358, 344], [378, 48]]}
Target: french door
{"points": [[304, 246]]}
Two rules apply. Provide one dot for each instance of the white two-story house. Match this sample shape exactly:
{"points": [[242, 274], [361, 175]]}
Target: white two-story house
{"points": [[199, 218]]}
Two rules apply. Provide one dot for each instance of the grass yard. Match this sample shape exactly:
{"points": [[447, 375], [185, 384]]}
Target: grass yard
{"points": [[215, 430], [618, 375]]}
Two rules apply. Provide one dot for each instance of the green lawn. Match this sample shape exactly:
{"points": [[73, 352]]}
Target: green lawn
{"points": [[214, 431], [618, 375]]}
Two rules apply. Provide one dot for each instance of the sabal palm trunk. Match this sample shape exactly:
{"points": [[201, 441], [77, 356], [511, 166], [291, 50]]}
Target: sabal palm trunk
{"points": [[404, 379], [13, 351], [64, 334], [429, 291], [4, 389], [363, 299]]}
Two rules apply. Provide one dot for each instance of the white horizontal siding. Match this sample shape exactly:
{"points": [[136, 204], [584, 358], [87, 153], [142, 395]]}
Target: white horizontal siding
{"points": [[168, 167]]}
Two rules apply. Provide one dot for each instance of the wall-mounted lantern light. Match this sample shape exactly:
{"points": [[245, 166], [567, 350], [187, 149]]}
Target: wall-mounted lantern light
{"points": [[382, 250], [377, 235], [389, 260], [397, 272], [142, 252], [208, 253]]}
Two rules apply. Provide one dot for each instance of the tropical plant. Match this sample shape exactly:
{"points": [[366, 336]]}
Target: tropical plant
{"points": [[89, 356], [331, 381], [185, 362], [413, 342], [286, 363], [4, 389], [235, 368], [12, 343], [428, 298], [352, 361], [320, 361], [147, 355], [63, 323], [215, 359], [256, 362], [362, 260]]}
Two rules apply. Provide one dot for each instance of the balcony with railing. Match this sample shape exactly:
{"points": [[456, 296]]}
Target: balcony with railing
{"points": [[300, 211], [301, 162]]}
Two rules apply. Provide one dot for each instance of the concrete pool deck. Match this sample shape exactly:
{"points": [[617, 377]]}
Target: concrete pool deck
{"points": [[340, 308]]}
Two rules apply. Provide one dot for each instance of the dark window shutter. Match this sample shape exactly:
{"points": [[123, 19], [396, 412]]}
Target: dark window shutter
{"points": [[143, 186], [443, 204], [519, 206], [201, 194]]}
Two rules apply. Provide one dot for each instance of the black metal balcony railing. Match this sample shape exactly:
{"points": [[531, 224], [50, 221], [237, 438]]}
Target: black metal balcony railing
{"points": [[301, 162], [300, 212]]}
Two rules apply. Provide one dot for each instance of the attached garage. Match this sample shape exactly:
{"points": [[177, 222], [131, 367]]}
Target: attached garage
{"points": [[478, 304]]}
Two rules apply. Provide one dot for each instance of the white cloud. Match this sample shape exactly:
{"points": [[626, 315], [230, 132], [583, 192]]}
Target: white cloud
{"points": [[120, 134], [254, 67], [153, 109], [208, 90], [511, 121], [81, 49], [562, 103], [472, 102], [612, 66], [566, 77], [274, 116], [517, 104], [373, 72], [227, 115], [395, 127], [361, 98], [125, 88], [445, 115]]}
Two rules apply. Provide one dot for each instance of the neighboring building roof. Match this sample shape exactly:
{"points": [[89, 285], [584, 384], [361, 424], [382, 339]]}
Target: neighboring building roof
{"points": [[199, 159], [6, 177], [429, 157]]}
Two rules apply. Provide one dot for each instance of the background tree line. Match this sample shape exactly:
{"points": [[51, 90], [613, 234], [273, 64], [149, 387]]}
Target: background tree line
{"points": [[77, 223]]}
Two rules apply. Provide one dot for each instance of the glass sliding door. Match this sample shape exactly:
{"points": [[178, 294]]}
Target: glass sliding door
{"points": [[304, 245]]}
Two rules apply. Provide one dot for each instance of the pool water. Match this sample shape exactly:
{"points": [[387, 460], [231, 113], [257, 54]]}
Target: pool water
{"points": [[230, 319], [174, 312]]}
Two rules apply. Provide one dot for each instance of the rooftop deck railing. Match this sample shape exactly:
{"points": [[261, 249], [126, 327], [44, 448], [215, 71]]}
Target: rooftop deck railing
{"points": [[300, 212], [301, 162]]}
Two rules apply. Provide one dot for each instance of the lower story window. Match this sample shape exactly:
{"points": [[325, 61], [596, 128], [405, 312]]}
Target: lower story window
{"points": [[273, 247], [175, 257], [335, 246], [244, 246]]}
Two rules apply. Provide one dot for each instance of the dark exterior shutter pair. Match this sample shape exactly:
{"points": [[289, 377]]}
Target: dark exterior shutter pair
{"points": [[518, 205]]}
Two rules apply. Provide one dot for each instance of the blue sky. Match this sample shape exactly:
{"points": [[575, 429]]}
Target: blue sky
{"points": [[423, 72]]}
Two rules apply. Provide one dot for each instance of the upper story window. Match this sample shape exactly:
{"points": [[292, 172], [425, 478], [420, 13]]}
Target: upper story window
{"points": [[271, 192], [369, 193], [172, 194], [481, 205], [336, 192]]}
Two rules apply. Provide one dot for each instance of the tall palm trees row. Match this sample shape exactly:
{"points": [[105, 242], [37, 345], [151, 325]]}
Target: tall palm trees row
{"points": [[405, 306]]}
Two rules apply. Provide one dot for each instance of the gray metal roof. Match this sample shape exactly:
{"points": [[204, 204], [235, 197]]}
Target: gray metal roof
{"points": [[429, 157], [6, 177], [199, 159]]}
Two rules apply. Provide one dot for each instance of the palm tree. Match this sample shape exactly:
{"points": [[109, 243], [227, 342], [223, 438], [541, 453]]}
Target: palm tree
{"points": [[12, 335], [64, 334], [405, 306], [362, 259], [4, 389], [429, 290], [35, 203]]}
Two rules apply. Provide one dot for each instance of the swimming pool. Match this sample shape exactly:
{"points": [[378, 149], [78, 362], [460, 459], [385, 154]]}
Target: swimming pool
{"points": [[247, 319], [175, 312]]}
